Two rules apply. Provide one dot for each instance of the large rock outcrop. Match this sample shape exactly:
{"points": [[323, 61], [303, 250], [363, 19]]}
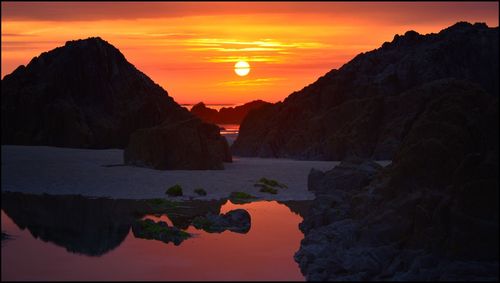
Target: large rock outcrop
{"points": [[86, 95], [189, 145], [430, 215], [226, 115], [365, 108]]}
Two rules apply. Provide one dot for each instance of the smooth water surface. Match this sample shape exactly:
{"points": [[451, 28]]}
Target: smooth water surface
{"points": [[96, 245]]}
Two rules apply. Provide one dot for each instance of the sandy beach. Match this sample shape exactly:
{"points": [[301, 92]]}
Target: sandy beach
{"points": [[53, 170]]}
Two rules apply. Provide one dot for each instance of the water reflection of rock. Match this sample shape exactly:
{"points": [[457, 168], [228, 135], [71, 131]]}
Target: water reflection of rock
{"points": [[81, 225], [90, 226], [5, 236], [95, 226]]}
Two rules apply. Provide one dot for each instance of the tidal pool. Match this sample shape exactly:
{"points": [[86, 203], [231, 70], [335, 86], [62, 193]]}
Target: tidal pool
{"points": [[76, 238]]}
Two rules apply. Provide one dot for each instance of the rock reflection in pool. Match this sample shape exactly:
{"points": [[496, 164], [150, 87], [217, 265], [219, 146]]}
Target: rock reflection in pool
{"points": [[265, 252]]}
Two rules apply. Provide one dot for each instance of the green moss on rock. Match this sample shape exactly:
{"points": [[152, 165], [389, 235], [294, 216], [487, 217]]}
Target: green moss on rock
{"points": [[174, 191], [241, 195], [148, 229], [269, 182], [269, 190]]}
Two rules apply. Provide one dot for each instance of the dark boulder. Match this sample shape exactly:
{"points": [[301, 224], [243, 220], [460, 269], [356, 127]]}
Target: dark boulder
{"points": [[206, 114], [237, 220], [185, 145], [351, 173]]}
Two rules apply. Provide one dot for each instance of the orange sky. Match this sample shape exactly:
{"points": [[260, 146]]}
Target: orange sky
{"points": [[190, 48]]}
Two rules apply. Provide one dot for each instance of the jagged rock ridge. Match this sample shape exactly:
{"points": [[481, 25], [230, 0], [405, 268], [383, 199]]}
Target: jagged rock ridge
{"points": [[359, 109], [431, 215], [226, 115]]}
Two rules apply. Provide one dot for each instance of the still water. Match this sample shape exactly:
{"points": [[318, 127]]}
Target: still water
{"points": [[92, 241]]}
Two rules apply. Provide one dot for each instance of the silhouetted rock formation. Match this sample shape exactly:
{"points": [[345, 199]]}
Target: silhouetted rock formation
{"points": [[226, 115], [84, 94], [365, 108], [206, 114], [430, 215], [188, 145]]}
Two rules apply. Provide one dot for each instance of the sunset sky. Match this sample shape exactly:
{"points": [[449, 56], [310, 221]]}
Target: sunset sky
{"points": [[190, 48]]}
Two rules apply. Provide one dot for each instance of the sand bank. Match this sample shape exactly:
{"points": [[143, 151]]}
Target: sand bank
{"points": [[52, 170]]}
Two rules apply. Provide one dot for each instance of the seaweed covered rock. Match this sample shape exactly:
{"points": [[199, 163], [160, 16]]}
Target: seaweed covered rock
{"points": [[237, 220], [174, 191], [148, 229], [269, 185], [241, 197]]}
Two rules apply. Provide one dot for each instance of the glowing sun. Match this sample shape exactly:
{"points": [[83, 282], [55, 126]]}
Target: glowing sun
{"points": [[242, 68]]}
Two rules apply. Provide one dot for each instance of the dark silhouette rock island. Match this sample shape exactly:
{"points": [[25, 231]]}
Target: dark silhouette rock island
{"points": [[86, 95], [226, 115], [366, 108]]}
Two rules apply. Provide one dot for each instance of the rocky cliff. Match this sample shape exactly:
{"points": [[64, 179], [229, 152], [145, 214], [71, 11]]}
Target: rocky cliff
{"points": [[85, 94], [365, 108], [430, 215], [226, 115]]}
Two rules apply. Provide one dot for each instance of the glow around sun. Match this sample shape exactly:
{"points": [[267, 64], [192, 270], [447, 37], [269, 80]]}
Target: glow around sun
{"points": [[242, 68]]}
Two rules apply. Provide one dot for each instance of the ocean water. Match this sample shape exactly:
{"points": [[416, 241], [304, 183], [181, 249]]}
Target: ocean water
{"points": [[213, 106], [230, 132]]}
